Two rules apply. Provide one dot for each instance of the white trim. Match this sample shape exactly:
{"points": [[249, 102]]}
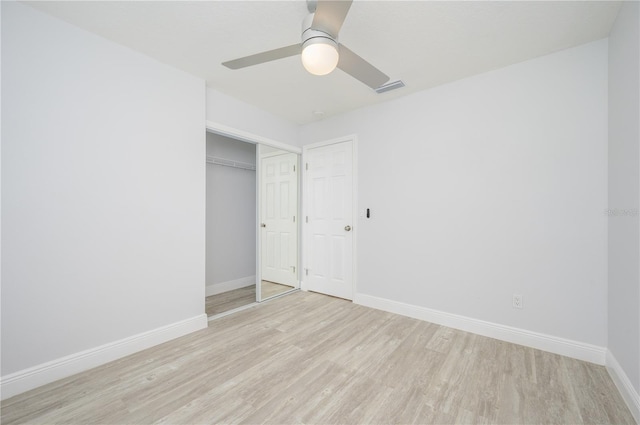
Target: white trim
{"points": [[245, 136], [620, 378], [63, 367], [230, 285], [354, 213], [257, 220], [550, 343], [353, 138]]}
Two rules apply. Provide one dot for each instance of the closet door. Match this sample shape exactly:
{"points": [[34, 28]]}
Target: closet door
{"points": [[278, 223]]}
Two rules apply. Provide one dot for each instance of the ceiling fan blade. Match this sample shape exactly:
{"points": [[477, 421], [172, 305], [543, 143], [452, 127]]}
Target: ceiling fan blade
{"points": [[330, 15], [360, 69], [268, 56]]}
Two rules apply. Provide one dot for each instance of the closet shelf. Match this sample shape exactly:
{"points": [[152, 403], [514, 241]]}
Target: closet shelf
{"points": [[230, 163]]}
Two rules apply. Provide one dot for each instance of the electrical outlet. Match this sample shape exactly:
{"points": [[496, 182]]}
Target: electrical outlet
{"points": [[517, 301]]}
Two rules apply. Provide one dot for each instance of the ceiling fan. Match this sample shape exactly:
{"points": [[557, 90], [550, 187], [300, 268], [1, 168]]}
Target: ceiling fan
{"points": [[321, 52]]}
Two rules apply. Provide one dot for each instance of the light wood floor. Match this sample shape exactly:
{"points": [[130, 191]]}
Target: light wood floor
{"points": [[308, 358], [219, 303], [269, 289]]}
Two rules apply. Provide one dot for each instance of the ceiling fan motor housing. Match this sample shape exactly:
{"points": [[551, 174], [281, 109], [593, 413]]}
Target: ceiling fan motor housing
{"points": [[312, 36]]}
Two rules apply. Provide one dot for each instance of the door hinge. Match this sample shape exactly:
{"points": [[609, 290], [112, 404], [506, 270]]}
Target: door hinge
{"points": [[306, 272], [294, 168], [306, 219], [306, 166], [294, 218], [294, 268]]}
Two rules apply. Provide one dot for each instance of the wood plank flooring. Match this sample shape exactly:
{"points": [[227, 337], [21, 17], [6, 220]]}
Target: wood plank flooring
{"points": [[226, 301], [219, 303], [308, 358], [270, 289]]}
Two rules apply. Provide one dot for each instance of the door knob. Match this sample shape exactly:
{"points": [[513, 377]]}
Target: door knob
{"points": [[263, 225], [347, 228]]}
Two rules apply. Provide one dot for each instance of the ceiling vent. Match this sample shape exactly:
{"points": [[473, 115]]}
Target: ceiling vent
{"points": [[390, 86]]}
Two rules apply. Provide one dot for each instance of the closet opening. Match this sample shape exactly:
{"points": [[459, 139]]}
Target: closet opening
{"points": [[252, 221], [230, 224]]}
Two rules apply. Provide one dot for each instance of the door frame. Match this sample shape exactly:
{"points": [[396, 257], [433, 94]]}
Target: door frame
{"points": [[245, 136], [353, 138]]}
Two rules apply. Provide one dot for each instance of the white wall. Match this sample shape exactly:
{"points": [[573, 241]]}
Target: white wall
{"points": [[103, 182], [231, 213], [241, 116], [487, 187], [624, 192]]}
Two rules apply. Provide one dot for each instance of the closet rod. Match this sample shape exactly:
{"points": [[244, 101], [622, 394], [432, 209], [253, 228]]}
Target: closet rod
{"points": [[230, 163]]}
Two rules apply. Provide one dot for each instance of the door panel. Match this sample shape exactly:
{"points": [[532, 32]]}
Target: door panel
{"points": [[330, 211]]}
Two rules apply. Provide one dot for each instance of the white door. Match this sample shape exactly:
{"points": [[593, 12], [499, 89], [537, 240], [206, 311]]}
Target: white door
{"points": [[278, 210], [328, 223]]}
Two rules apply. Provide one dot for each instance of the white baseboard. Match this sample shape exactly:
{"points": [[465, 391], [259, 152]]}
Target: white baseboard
{"points": [[552, 344], [45, 373], [620, 378], [219, 288]]}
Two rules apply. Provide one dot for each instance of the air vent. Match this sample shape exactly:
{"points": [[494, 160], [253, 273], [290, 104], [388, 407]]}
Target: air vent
{"points": [[390, 86]]}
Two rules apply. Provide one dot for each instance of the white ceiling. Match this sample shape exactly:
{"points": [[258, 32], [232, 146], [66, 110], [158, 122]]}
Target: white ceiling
{"points": [[423, 43]]}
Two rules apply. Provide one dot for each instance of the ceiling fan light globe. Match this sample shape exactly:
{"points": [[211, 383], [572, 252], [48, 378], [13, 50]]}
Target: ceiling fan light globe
{"points": [[320, 58]]}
